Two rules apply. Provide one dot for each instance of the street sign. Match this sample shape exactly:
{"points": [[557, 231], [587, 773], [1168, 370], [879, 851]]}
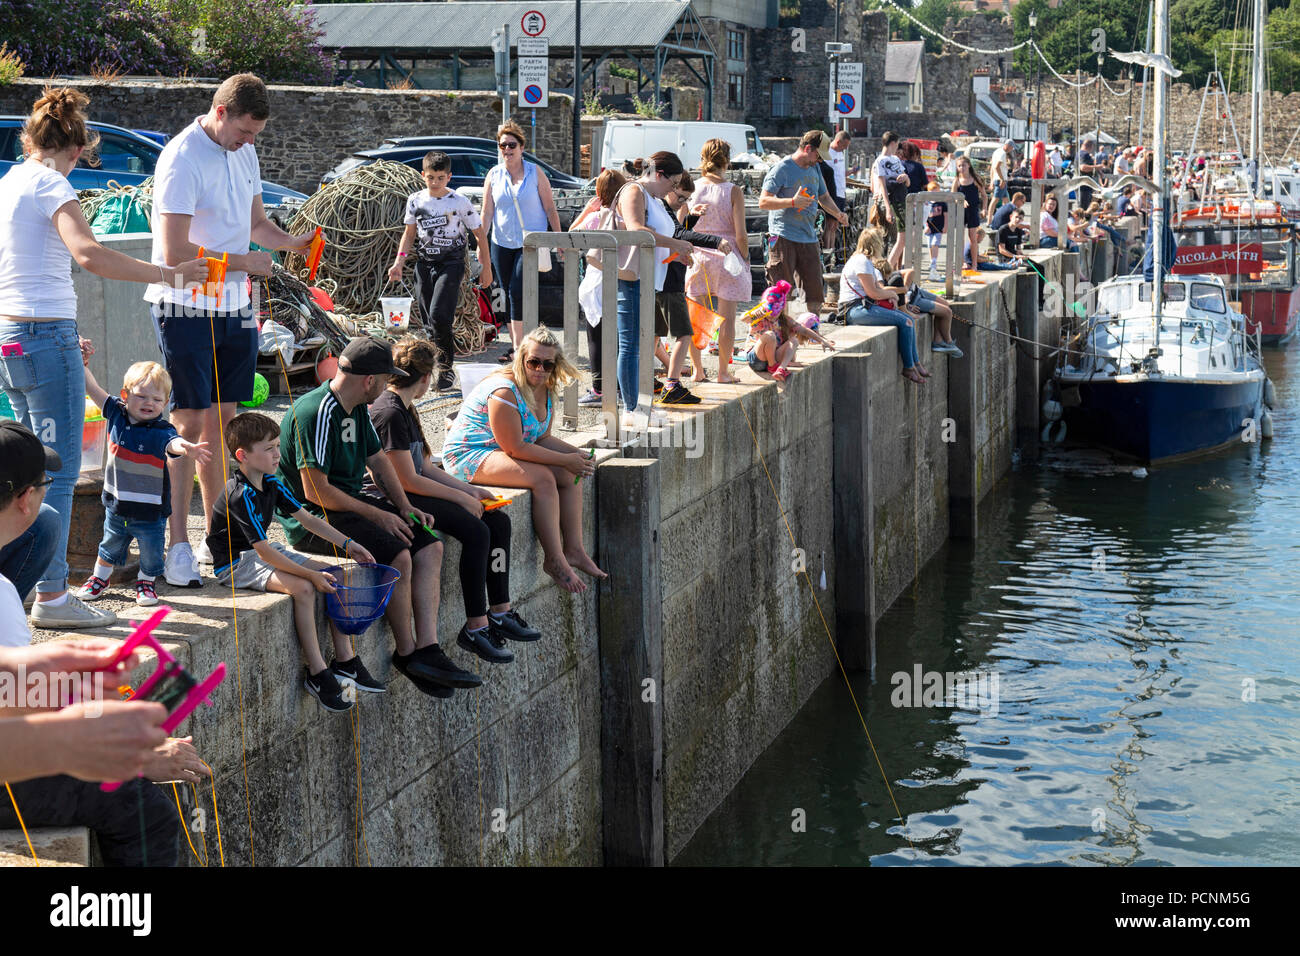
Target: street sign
{"points": [[846, 98], [533, 23], [534, 81], [533, 46]]}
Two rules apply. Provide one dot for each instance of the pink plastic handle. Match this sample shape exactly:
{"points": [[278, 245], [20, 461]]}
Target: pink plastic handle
{"points": [[143, 634]]}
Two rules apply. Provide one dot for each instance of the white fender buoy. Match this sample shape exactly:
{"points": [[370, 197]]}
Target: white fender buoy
{"points": [[1052, 410], [1266, 424], [1046, 435], [1270, 395]]}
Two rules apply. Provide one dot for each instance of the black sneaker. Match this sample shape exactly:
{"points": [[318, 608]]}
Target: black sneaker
{"points": [[326, 689], [354, 672], [511, 625], [447, 381], [486, 643], [403, 665], [441, 670], [677, 395]]}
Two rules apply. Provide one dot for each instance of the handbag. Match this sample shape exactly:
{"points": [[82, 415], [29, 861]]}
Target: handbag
{"points": [[543, 254]]}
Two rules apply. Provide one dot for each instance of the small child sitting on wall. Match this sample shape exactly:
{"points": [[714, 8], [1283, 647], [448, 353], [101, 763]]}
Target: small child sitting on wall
{"points": [[242, 557]]}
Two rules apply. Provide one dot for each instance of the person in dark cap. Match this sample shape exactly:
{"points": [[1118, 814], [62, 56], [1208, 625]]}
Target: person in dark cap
{"points": [[327, 443], [24, 462]]}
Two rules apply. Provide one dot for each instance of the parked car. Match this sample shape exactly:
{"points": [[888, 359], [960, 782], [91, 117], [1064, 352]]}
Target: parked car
{"points": [[474, 142], [128, 158], [469, 164]]}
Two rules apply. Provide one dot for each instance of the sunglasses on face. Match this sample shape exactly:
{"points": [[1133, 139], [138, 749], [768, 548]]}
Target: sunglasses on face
{"points": [[508, 144], [540, 365]]}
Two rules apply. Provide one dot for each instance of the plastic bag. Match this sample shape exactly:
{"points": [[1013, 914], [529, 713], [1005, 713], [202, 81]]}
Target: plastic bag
{"points": [[589, 295], [275, 337], [734, 264]]}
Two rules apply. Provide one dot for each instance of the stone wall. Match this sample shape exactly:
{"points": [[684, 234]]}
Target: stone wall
{"points": [[311, 128]]}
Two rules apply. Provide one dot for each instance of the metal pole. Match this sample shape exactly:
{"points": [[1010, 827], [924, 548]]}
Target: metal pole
{"points": [[1078, 117], [577, 88], [1142, 107], [1158, 200], [505, 96]]}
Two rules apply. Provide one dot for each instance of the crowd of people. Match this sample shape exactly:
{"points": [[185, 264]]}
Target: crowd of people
{"points": [[349, 473]]}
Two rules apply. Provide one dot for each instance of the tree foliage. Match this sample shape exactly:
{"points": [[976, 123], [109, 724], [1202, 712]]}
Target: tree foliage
{"points": [[166, 37], [935, 14]]}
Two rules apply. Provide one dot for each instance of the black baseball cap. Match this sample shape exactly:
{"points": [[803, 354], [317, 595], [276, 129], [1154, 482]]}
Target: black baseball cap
{"points": [[23, 459], [367, 356]]}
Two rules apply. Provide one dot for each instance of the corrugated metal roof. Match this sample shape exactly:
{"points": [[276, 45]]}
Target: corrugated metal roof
{"points": [[468, 26], [903, 60]]}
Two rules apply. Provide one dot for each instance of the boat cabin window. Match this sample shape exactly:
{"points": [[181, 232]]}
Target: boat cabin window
{"points": [[1114, 299], [1208, 297], [1174, 292]]}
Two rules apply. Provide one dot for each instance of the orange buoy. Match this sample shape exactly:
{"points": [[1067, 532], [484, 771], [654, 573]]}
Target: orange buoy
{"points": [[322, 298], [1038, 164], [326, 369]]}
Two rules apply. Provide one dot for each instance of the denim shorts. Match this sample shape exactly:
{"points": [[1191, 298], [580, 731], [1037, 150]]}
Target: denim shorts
{"points": [[756, 363]]}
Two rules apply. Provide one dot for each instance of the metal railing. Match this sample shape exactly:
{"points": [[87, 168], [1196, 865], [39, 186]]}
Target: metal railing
{"points": [[577, 244], [953, 244]]}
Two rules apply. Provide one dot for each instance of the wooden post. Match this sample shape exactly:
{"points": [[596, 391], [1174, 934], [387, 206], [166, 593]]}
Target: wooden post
{"points": [[631, 662]]}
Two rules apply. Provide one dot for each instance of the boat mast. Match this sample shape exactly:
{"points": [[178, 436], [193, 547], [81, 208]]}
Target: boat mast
{"points": [[1158, 209], [1257, 95]]}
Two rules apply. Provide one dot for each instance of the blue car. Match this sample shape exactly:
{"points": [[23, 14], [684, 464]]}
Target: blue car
{"points": [[127, 158]]}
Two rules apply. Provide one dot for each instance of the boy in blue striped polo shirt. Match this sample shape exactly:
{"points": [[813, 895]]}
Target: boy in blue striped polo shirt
{"points": [[137, 491]]}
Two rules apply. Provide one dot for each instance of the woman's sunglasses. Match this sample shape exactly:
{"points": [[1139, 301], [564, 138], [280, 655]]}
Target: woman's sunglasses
{"points": [[508, 144], [540, 365]]}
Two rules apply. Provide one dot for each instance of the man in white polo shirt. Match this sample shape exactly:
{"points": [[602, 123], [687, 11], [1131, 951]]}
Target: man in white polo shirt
{"points": [[208, 193]]}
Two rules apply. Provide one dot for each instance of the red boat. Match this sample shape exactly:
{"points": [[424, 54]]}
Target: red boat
{"points": [[1258, 263]]}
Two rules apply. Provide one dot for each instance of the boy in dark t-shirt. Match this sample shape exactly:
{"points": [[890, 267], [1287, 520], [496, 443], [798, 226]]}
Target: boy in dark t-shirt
{"points": [[242, 557], [1010, 238], [438, 223]]}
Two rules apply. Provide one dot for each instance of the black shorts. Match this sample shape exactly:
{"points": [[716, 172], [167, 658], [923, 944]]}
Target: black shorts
{"points": [[384, 546], [671, 317], [187, 336]]}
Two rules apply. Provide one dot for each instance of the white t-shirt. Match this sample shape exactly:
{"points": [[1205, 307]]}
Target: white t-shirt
{"points": [[35, 265], [998, 165], [838, 166], [197, 177], [441, 222], [1047, 223], [857, 265], [13, 619]]}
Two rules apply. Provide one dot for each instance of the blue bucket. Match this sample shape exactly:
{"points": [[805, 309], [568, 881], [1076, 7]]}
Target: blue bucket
{"points": [[363, 593]]}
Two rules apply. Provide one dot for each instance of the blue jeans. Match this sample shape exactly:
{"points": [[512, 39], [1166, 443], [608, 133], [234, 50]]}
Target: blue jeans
{"points": [[1050, 242], [629, 338], [46, 387], [1114, 234], [508, 270], [864, 314], [149, 537], [24, 558]]}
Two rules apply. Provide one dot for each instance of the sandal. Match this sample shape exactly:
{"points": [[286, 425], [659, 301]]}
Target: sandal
{"points": [[508, 357], [780, 373]]}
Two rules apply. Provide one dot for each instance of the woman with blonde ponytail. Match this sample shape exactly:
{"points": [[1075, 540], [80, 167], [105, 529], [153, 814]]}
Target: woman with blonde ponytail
{"points": [[42, 230]]}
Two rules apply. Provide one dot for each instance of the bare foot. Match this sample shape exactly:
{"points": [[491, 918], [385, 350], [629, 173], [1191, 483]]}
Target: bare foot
{"points": [[564, 576], [702, 377], [582, 561], [725, 378]]}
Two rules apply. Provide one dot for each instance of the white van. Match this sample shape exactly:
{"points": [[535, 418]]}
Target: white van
{"points": [[633, 139]]}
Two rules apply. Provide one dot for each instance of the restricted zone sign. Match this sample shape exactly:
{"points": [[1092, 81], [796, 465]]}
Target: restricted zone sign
{"points": [[534, 71], [846, 94]]}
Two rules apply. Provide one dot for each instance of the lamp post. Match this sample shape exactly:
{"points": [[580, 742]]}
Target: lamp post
{"points": [[1033, 23]]}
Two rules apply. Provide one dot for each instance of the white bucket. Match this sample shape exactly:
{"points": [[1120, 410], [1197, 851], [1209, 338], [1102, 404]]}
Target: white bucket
{"points": [[396, 311], [472, 373]]}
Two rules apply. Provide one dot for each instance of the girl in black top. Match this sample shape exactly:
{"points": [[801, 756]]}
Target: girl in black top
{"points": [[456, 507], [972, 190]]}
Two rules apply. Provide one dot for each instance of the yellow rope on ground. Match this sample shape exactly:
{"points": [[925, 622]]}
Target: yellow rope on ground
{"points": [[19, 815]]}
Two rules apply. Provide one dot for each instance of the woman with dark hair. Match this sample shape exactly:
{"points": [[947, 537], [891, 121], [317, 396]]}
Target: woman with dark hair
{"points": [[917, 177], [42, 230], [639, 207], [516, 199], [456, 506]]}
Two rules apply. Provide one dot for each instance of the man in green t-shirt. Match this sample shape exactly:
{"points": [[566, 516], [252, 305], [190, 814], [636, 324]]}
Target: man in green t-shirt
{"points": [[326, 445]]}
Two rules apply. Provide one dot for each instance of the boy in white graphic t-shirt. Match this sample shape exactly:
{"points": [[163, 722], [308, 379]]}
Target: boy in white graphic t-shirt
{"points": [[438, 223]]}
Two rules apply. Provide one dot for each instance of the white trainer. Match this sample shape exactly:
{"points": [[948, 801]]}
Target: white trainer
{"points": [[74, 614], [181, 570]]}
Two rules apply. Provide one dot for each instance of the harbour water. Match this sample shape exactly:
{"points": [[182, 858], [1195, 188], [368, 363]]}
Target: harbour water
{"points": [[1134, 649]]}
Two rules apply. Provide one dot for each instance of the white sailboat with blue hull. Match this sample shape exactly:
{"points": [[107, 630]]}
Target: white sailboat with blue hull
{"points": [[1164, 368]]}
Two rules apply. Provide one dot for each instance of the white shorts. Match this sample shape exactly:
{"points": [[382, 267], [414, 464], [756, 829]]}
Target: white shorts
{"points": [[251, 572]]}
